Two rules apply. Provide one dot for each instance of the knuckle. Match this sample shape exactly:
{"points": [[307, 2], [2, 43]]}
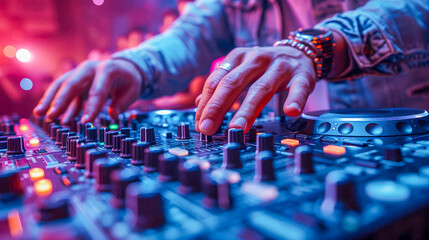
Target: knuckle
{"points": [[211, 84], [262, 87], [214, 108], [230, 81]]}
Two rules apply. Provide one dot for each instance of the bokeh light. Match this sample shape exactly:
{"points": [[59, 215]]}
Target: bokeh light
{"points": [[26, 84], [98, 2], [9, 51], [23, 55]]}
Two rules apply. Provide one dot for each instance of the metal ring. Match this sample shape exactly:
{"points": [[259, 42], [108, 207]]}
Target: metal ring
{"points": [[225, 66]]}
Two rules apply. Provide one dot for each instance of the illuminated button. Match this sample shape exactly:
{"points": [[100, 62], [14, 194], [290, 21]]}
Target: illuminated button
{"points": [[387, 191], [34, 142], [261, 191], [290, 142], [43, 187], [334, 149], [23, 128], [113, 127], [67, 181], [414, 180], [180, 152], [36, 173]]}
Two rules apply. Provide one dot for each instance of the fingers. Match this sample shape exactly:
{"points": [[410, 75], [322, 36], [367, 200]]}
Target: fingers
{"points": [[302, 85], [258, 95], [121, 99], [77, 83], [72, 111], [197, 100], [234, 58], [45, 102], [229, 88]]}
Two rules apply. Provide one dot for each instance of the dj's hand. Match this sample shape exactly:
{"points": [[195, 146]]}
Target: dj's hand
{"points": [[264, 71], [93, 81]]}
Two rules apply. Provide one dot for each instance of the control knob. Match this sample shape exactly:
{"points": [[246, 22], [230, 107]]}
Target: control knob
{"points": [[15, 145]]}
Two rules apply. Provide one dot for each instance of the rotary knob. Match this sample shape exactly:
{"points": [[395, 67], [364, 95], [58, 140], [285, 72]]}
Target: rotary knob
{"points": [[90, 156], [91, 134], [52, 208], [64, 139], [126, 131], [10, 185], [80, 154], [73, 147], [205, 138], [69, 144], [109, 139], [393, 153], [216, 189], [80, 128], [117, 140], [231, 156], [103, 167], [303, 160], [146, 207], [253, 133], [53, 133], [15, 145], [340, 193], [120, 180], [189, 176], [9, 129], [101, 133], [137, 152], [134, 124], [236, 135], [167, 167], [126, 147], [264, 169], [59, 136], [151, 159], [183, 131], [147, 134], [265, 142]]}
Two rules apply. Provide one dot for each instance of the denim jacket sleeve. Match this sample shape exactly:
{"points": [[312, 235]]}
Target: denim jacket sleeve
{"points": [[169, 61], [382, 35]]}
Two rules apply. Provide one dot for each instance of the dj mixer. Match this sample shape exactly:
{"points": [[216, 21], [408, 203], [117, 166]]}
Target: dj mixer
{"points": [[344, 174]]}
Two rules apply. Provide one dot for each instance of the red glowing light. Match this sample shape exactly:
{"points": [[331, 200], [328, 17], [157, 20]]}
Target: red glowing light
{"points": [[23, 128], [23, 55], [9, 51]]}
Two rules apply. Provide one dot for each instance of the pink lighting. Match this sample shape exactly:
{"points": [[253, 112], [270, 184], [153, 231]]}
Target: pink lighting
{"points": [[9, 51], [98, 2], [23, 55]]}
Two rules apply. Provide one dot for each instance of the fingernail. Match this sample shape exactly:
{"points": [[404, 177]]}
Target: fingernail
{"points": [[85, 118], [240, 122], [206, 125], [294, 105]]}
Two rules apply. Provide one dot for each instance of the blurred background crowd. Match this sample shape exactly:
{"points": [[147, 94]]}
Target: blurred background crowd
{"points": [[42, 39]]}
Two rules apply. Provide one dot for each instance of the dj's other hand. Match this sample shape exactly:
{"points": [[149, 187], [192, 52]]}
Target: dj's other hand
{"points": [[93, 81], [264, 71]]}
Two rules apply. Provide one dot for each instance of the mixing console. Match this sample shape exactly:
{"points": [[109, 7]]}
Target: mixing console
{"points": [[328, 175]]}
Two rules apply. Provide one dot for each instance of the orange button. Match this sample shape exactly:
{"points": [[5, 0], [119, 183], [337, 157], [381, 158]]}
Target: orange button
{"points": [[23, 128], [43, 187], [34, 142], [36, 173], [290, 142], [334, 149]]}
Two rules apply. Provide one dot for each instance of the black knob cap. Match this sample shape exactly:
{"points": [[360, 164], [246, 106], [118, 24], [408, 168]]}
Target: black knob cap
{"points": [[216, 190], [124, 120], [87, 125], [253, 133], [117, 140], [183, 131], [236, 135], [151, 159], [167, 167], [126, 147], [393, 153], [64, 139], [80, 154], [120, 180], [103, 167], [53, 134], [264, 169], [340, 193], [231, 156], [59, 135], [90, 156], [134, 124], [52, 208], [303, 160], [137, 153], [80, 128], [69, 144], [147, 134], [265, 142], [91, 134], [9, 129], [109, 139], [10, 185], [189, 176], [73, 147], [205, 138], [126, 131], [145, 204], [15, 145], [101, 133]]}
